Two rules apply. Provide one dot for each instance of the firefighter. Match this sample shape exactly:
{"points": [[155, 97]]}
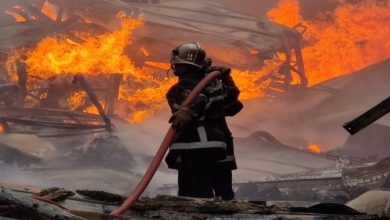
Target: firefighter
{"points": [[202, 150]]}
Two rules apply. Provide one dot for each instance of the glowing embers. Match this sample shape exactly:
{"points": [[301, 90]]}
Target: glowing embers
{"points": [[144, 51], [22, 15], [76, 100], [13, 13], [159, 65], [314, 148], [352, 37], [50, 10]]}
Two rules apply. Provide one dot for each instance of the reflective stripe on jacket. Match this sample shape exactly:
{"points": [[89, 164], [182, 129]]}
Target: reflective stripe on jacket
{"points": [[207, 135]]}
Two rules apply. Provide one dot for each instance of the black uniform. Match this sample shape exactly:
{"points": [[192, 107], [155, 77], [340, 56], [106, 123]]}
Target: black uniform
{"points": [[203, 151]]}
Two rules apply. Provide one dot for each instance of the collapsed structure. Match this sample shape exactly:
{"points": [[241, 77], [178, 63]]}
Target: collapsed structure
{"points": [[250, 42], [39, 106]]}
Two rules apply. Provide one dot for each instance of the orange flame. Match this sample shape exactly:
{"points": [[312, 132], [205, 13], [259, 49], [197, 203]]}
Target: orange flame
{"points": [[91, 110], [314, 148], [105, 54], [76, 100], [17, 7], [153, 97], [355, 36], [142, 93], [50, 10], [18, 18], [286, 13], [249, 81], [163, 66], [102, 54], [144, 51], [1, 128]]}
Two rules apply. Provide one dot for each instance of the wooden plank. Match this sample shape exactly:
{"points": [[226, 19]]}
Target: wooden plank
{"points": [[80, 80], [112, 93], [36, 208], [210, 206]]}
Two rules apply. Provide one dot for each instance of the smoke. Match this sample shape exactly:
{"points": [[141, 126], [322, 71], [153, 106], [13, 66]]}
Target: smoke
{"points": [[316, 117], [95, 162], [142, 141], [13, 173]]}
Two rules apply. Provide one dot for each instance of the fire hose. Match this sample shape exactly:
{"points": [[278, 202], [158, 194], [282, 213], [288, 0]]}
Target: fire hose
{"points": [[167, 141]]}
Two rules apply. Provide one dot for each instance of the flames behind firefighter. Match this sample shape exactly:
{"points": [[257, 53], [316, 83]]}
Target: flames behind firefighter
{"points": [[202, 150]]}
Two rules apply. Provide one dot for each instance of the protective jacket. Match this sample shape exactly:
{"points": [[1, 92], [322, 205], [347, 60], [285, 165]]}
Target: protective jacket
{"points": [[207, 135]]}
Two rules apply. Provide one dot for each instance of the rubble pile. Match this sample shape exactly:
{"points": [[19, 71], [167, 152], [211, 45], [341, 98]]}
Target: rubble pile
{"points": [[103, 152], [21, 204]]}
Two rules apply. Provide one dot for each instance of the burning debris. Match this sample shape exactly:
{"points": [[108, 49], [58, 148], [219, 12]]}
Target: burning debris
{"points": [[103, 152], [71, 120], [81, 51], [314, 148], [346, 37], [275, 49], [70, 68]]}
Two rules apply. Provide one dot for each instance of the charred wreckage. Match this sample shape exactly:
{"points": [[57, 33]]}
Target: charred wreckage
{"points": [[42, 110], [28, 107]]}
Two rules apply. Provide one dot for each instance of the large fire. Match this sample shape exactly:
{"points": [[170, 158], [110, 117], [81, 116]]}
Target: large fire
{"points": [[140, 94], [102, 54], [355, 35], [248, 81]]}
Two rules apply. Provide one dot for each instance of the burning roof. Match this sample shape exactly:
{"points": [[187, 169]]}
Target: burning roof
{"points": [[109, 37], [208, 20], [61, 38]]}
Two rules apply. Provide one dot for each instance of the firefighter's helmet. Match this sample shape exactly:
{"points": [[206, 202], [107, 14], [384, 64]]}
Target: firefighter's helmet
{"points": [[190, 53]]}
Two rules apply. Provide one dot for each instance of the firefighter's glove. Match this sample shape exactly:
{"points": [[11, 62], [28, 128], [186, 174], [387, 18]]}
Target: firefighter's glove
{"points": [[181, 118]]}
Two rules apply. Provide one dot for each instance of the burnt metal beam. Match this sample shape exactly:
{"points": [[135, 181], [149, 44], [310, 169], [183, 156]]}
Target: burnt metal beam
{"points": [[60, 14], [112, 93], [51, 124], [45, 112], [60, 134], [368, 117], [80, 80]]}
